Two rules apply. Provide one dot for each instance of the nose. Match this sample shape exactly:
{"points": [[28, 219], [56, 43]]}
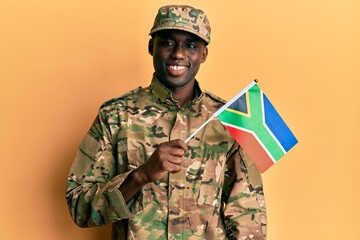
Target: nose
{"points": [[178, 52]]}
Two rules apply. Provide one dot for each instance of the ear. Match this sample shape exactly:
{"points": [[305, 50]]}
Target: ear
{"points": [[151, 46], [204, 54]]}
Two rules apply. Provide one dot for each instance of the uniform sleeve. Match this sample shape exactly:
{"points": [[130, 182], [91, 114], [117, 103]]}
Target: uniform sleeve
{"points": [[244, 211], [93, 196]]}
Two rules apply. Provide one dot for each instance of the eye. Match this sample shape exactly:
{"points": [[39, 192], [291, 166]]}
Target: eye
{"points": [[167, 43], [170, 43], [191, 45]]}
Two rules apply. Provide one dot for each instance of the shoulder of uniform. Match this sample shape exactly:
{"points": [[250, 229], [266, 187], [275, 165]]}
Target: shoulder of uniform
{"points": [[215, 97], [124, 96]]}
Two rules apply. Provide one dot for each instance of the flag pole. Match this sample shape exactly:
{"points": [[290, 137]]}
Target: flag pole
{"points": [[197, 130], [226, 105]]}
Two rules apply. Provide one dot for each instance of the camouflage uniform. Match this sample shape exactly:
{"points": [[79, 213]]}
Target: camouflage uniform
{"points": [[217, 194]]}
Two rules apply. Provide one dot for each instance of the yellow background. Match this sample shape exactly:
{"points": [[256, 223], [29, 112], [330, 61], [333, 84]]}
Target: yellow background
{"points": [[59, 60]]}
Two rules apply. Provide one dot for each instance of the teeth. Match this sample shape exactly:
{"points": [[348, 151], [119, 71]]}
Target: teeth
{"points": [[177, 67]]}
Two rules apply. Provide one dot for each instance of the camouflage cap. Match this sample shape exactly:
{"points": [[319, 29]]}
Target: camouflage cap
{"points": [[182, 17]]}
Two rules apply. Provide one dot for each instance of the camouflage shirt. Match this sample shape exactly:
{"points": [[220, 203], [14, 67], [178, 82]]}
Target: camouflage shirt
{"points": [[217, 194]]}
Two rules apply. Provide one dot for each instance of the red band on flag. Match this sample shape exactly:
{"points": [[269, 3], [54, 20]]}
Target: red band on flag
{"points": [[252, 148]]}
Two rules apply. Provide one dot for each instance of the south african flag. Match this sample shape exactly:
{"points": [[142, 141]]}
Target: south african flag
{"points": [[255, 124]]}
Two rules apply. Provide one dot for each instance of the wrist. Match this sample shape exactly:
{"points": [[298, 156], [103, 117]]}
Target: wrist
{"points": [[139, 177]]}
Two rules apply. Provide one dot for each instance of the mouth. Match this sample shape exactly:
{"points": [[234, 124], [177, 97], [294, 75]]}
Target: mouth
{"points": [[176, 70]]}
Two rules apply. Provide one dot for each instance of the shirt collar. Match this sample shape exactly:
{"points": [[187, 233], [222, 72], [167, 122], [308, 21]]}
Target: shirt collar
{"points": [[163, 93]]}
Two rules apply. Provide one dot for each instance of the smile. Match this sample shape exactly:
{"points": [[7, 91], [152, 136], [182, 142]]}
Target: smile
{"points": [[176, 70], [177, 67]]}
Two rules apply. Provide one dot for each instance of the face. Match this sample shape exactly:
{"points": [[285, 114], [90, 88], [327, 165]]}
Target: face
{"points": [[177, 56]]}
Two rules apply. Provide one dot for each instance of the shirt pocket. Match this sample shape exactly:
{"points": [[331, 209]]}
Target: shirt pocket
{"points": [[210, 186], [213, 154], [206, 211], [90, 147], [131, 159], [207, 175], [88, 152]]}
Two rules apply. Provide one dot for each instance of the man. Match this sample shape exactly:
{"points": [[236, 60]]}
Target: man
{"points": [[134, 169]]}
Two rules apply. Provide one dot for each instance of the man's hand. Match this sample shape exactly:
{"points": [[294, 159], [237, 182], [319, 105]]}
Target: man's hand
{"points": [[166, 158]]}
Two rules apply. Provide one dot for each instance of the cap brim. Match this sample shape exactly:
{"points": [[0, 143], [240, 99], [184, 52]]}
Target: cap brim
{"points": [[181, 29]]}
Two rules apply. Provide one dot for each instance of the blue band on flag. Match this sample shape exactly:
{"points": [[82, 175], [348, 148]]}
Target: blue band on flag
{"points": [[277, 126]]}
